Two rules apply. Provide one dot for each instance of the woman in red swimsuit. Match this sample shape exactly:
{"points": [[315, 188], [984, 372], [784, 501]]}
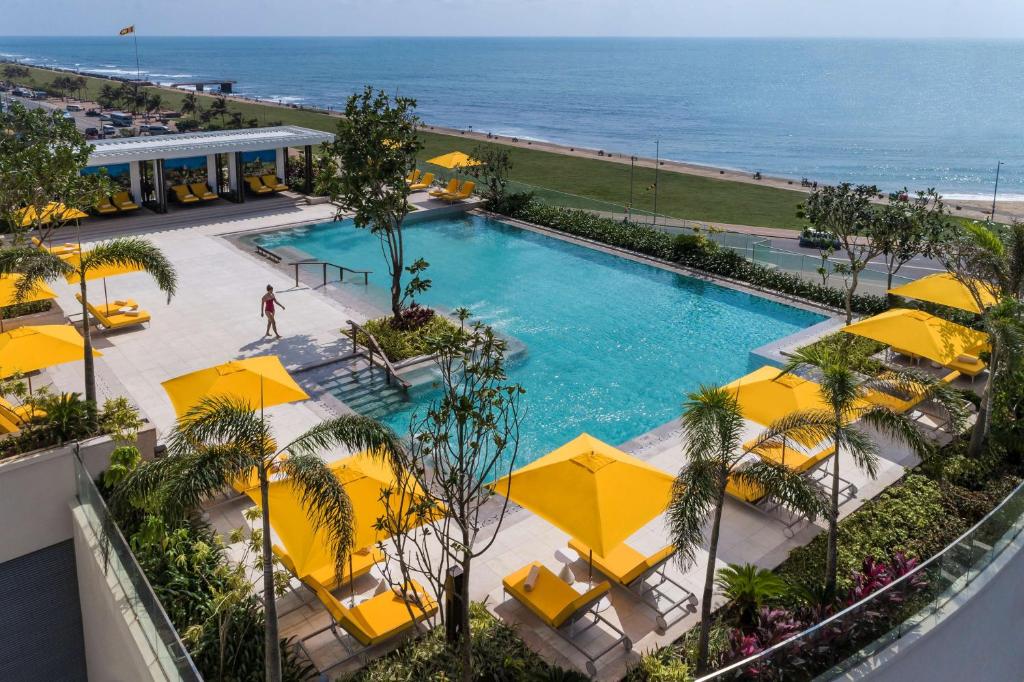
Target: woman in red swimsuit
{"points": [[267, 309]]}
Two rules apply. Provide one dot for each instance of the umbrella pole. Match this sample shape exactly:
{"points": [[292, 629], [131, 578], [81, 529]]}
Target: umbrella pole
{"points": [[351, 583], [106, 301], [590, 569], [29, 377]]}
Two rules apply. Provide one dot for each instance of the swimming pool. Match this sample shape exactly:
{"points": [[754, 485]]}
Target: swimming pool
{"points": [[611, 345]]}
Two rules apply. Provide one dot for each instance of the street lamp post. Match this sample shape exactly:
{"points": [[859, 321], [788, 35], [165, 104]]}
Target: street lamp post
{"points": [[995, 191]]}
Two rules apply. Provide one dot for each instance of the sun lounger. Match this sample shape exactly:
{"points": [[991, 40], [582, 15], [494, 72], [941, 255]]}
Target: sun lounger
{"points": [[184, 195], [104, 207], [462, 194], [908, 401], [375, 620], [58, 250], [631, 570], [412, 177], [967, 364], [453, 185], [362, 561], [124, 202], [274, 183], [561, 607], [118, 320], [15, 416], [202, 190], [256, 185], [424, 182]]}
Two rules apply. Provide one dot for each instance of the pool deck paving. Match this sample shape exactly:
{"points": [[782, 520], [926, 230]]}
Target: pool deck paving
{"points": [[213, 319]]}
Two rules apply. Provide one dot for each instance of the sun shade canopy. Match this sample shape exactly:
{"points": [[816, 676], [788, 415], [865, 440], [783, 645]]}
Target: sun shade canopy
{"points": [[945, 289], [8, 284], [766, 395], [365, 479], [261, 381], [28, 349], [52, 211], [112, 270], [454, 160], [918, 333], [597, 494]]}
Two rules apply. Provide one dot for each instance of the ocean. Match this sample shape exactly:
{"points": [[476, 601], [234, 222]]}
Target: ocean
{"points": [[893, 113]]}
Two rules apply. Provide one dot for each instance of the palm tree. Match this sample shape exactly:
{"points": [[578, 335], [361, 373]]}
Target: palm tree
{"points": [[223, 439], [153, 103], [713, 436], [985, 256], [190, 104], [847, 395], [219, 107], [37, 265]]}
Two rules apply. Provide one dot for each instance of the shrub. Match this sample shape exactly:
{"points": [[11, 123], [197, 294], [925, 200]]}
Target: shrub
{"points": [[858, 348], [498, 655], [661, 665], [748, 588], [402, 344], [910, 517], [691, 253], [30, 308]]}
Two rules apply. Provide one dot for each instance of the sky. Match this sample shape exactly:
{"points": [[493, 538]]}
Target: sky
{"points": [[712, 18]]}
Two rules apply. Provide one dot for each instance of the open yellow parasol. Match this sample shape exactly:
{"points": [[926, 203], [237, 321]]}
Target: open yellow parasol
{"points": [[262, 381], [945, 289]]}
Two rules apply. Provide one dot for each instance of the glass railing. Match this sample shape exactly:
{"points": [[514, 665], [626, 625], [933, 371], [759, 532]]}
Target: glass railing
{"points": [[853, 636], [118, 562]]}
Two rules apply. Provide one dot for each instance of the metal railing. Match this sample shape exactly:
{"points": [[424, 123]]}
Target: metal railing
{"points": [[119, 562], [268, 254], [373, 349], [924, 590], [325, 265]]}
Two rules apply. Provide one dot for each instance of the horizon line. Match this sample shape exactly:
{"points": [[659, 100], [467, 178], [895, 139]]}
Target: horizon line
{"points": [[113, 34]]}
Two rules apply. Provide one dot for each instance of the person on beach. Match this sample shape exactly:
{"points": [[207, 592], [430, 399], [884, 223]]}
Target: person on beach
{"points": [[267, 308]]}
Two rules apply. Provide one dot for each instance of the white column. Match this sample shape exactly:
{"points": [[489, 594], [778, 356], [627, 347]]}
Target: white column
{"points": [[211, 172], [233, 170], [279, 167], [135, 178]]}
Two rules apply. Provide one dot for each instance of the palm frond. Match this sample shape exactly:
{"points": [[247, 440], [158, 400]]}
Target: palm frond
{"points": [[134, 252], [327, 505], [354, 432], [781, 483], [805, 426], [34, 265], [898, 427], [985, 239], [198, 475], [712, 424], [695, 493], [222, 419]]}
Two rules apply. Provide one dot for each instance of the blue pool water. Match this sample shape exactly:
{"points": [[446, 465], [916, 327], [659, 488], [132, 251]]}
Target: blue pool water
{"points": [[612, 346]]}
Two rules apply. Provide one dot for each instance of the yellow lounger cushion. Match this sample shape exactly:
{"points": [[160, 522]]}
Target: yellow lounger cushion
{"points": [[453, 185], [426, 181], [363, 561], [552, 599], [623, 564], [116, 320], [379, 618], [463, 193], [20, 414], [906, 403], [202, 191], [792, 458], [184, 195], [124, 202], [968, 365], [256, 185], [104, 206], [413, 176], [273, 183]]}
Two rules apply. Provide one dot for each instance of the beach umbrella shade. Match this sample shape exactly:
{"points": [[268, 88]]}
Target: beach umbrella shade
{"points": [[262, 381], [365, 479], [29, 349], [918, 333], [112, 270], [945, 289], [454, 160], [596, 493], [8, 284], [52, 211]]}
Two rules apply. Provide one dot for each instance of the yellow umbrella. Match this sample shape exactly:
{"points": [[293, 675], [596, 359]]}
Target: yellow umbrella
{"points": [[945, 289], [454, 160], [597, 494], [365, 479], [8, 284], [262, 380], [112, 270], [918, 333], [28, 349], [765, 397], [52, 211]]}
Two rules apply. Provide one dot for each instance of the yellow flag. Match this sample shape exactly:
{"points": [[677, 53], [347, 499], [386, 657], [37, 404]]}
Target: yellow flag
{"points": [[126, 30]]}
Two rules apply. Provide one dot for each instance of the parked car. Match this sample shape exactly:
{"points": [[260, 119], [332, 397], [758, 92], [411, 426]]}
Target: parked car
{"points": [[109, 129], [157, 130], [92, 132], [92, 112], [816, 239], [73, 107], [104, 117]]}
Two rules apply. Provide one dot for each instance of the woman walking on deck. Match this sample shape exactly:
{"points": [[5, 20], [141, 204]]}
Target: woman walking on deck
{"points": [[267, 308]]}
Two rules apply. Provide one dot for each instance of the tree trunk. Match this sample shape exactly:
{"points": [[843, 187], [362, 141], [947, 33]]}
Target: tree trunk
{"points": [[396, 292], [272, 653], [849, 295], [832, 553], [88, 361], [981, 425], [709, 584], [466, 642]]}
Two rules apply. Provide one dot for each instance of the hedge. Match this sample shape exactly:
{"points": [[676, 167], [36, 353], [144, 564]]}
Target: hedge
{"points": [[690, 251]]}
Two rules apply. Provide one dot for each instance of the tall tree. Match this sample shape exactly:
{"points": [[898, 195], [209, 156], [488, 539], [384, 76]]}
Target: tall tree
{"points": [[42, 155], [989, 259], [713, 435], [190, 105], [153, 103], [221, 440], [491, 173], [108, 97], [219, 107], [373, 151], [849, 399], [36, 265], [908, 227], [846, 211], [465, 439]]}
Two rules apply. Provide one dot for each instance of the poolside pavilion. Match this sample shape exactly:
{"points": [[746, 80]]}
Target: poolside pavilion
{"points": [[149, 166]]}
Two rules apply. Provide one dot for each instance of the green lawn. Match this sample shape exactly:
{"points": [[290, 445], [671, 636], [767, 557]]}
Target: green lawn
{"points": [[588, 183]]}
